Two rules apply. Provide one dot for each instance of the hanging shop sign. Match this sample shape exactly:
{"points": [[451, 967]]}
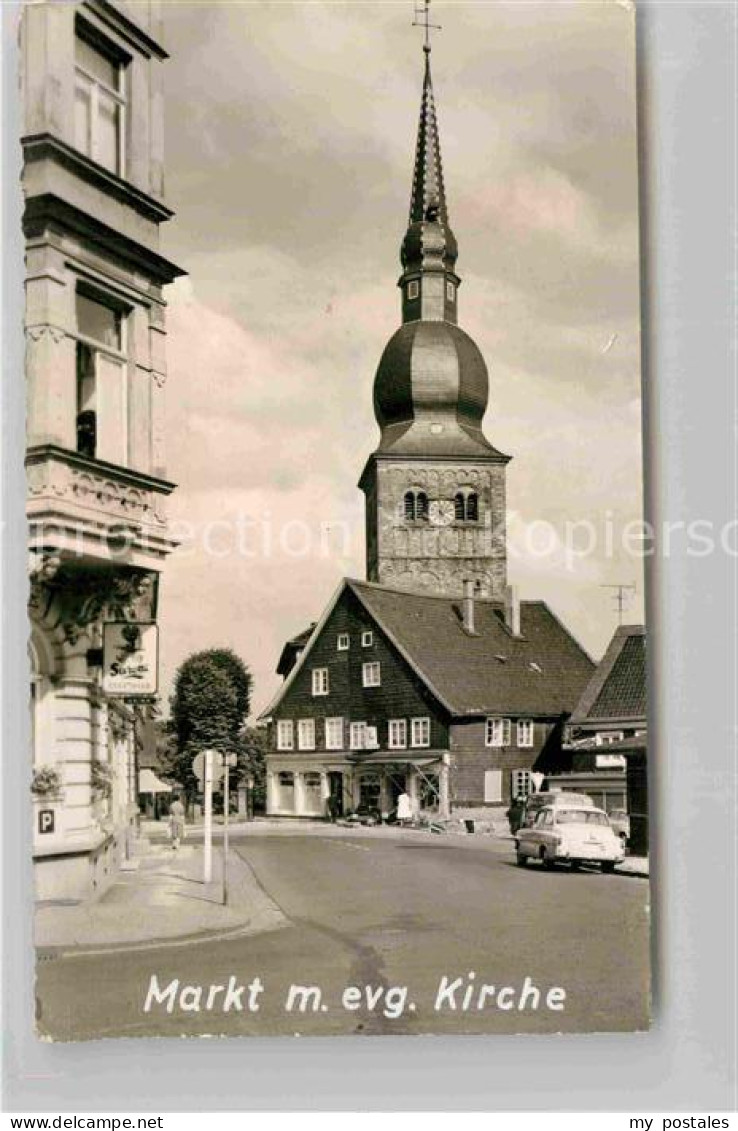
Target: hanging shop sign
{"points": [[130, 658]]}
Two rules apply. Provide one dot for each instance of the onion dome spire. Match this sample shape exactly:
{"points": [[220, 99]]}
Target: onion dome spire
{"points": [[429, 249], [432, 387]]}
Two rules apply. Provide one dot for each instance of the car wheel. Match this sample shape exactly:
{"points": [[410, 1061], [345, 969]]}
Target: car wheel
{"points": [[608, 866], [522, 859], [546, 860]]}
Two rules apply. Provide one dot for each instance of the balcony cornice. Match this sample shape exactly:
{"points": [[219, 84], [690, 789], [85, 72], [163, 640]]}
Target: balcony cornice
{"points": [[126, 476], [37, 147], [47, 208]]}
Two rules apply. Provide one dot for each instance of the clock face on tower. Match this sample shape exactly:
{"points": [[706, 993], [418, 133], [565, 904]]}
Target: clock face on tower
{"points": [[442, 512]]}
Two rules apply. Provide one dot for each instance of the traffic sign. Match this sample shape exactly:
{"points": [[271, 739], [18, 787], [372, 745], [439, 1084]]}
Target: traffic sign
{"points": [[198, 766]]}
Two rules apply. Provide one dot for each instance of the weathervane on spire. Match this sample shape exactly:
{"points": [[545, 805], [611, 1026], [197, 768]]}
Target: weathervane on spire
{"points": [[422, 19]]}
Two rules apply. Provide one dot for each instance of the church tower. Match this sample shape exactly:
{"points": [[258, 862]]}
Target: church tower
{"points": [[435, 486]]}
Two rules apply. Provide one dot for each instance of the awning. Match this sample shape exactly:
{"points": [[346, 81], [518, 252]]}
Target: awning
{"points": [[148, 782], [381, 758]]}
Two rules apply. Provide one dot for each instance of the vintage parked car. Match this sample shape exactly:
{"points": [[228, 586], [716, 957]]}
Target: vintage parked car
{"points": [[538, 801], [571, 834], [620, 822]]}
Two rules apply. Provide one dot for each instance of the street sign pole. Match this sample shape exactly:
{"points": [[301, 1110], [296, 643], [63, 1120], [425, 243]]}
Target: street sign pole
{"points": [[207, 874], [206, 767], [226, 806], [230, 760]]}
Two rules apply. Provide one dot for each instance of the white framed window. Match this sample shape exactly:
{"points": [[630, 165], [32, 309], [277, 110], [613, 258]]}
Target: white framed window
{"points": [[420, 732], [286, 783], [520, 783], [413, 289], [357, 736], [306, 734], [102, 379], [371, 674], [492, 786], [334, 734], [285, 735], [312, 784], [99, 104], [608, 737], [344, 642], [497, 732], [367, 639], [526, 732], [320, 681], [397, 731], [450, 291], [371, 738]]}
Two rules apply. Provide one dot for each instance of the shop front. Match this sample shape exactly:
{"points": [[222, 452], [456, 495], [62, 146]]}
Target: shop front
{"points": [[299, 788], [381, 777], [366, 780]]}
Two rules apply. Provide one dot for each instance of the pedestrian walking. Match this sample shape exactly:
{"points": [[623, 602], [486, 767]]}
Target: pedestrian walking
{"points": [[176, 823], [515, 814]]}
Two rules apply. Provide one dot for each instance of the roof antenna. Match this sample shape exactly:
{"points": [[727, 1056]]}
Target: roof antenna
{"points": [[422, 19], [621, 594]]}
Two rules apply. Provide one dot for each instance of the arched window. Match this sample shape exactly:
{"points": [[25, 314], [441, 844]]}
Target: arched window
{"points": [[466, 506], [415, 506]]}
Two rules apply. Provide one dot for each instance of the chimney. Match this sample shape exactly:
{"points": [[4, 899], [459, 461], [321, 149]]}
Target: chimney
{"points": [[512, 609], [468, 609]]}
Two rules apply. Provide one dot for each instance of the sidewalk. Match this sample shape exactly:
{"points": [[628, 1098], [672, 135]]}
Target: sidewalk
{"points": [[164, 898], [634, 866]]}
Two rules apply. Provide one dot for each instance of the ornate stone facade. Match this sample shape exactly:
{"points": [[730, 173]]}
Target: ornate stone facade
{"points": [[435, 554], [95, 370]]}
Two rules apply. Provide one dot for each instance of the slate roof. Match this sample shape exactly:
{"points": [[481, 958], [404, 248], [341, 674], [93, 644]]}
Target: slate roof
{"points": [[492, 671], [617, 690], [540, 673]]}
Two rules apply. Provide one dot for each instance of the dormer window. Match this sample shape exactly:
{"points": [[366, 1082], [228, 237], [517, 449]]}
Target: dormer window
{"points": [[413, 289], [450, 291]]}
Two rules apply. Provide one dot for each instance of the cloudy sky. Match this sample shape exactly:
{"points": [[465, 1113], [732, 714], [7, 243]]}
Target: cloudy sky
{"points": [[290, 141]]}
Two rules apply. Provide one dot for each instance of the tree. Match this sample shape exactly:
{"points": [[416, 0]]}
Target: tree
{"points": [[252, 761], [209, 706]]}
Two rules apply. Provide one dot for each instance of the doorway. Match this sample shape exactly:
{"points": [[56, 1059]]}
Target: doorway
{"points": [[335, 791]]}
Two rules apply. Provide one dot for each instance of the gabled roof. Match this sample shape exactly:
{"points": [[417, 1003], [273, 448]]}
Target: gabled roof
{"points": [[540, 673], [617, 689]]}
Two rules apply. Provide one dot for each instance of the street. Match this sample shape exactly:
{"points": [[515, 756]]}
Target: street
{"points": [[373, 914]]}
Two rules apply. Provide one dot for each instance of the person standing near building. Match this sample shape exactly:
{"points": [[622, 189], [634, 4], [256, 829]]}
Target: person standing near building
{"points": [[515, 814], [404, 809], [176, 823]]}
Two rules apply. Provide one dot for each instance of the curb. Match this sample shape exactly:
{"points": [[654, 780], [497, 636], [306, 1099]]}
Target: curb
{"points": [[49, 953], [53, 951]]}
